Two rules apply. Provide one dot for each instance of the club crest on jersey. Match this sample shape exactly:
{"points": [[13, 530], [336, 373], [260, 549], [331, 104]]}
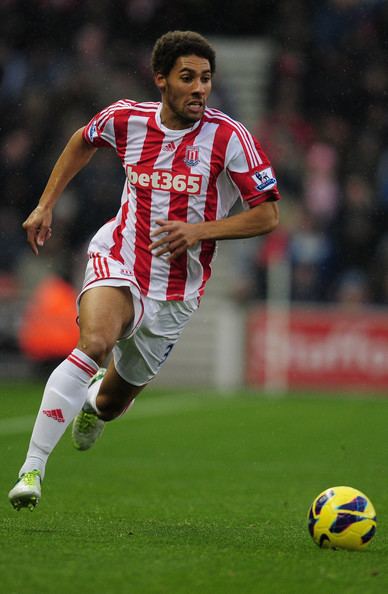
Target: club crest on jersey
{"points": [[192, 156], [264, 179]]}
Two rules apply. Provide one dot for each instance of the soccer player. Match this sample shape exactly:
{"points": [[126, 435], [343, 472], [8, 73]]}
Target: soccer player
{"points": [[185, 165]]}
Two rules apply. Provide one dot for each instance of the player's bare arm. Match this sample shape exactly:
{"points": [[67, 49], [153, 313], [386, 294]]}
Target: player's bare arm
{"points": [[74, 157], [178, 236]]}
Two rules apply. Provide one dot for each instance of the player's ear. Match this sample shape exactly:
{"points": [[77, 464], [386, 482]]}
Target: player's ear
{"points": [[160, 81]]}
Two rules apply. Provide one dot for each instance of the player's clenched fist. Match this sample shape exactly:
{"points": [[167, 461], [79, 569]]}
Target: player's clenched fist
{"points": [[38, 227]]}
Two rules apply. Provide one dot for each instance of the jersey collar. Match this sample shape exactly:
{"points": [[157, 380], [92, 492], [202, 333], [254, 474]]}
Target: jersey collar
{"points": [[176, 133]]}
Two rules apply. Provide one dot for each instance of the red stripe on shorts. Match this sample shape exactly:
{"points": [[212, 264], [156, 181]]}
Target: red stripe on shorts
{"points": [[96, 271], [100, 268], [106, 267]]}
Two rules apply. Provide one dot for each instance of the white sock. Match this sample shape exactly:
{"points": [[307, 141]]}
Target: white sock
{"points": [[93, 393], [64, 395]]}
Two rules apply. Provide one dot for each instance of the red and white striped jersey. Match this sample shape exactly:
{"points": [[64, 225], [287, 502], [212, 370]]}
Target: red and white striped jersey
{"points": [[192, 175]]}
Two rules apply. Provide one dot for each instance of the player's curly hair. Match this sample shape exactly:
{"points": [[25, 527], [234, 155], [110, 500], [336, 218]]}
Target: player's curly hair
{"points": [[170, 46]]}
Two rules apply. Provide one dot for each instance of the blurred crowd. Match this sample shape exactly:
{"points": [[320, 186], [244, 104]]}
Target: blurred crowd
{"points": [[325, 129]]}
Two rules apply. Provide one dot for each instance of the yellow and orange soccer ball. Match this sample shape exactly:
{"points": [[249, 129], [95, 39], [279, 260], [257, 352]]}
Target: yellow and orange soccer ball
{"points": [[342, 518]]}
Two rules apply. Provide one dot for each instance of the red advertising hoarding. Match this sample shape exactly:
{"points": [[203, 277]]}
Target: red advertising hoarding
{"points": [[317, 347]]}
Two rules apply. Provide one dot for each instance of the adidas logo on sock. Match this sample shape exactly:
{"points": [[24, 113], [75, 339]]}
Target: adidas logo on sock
{"points": [[55, 414]]}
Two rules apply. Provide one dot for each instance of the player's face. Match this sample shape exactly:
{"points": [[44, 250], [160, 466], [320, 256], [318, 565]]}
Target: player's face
{"points": [[185, 91]]}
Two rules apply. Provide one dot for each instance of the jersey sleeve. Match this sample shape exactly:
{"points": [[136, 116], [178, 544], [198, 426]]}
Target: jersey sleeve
{"points": [[100, 131], [250, 170]]}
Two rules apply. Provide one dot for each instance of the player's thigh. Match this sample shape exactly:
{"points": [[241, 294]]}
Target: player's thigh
{"points": [[107, 311]]}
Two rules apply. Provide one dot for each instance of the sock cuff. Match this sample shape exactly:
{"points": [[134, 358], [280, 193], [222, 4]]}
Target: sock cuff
{"points": [[82, 361]]}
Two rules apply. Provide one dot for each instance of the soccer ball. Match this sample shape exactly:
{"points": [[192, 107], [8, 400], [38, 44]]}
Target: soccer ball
{"points": [[342, 518]]}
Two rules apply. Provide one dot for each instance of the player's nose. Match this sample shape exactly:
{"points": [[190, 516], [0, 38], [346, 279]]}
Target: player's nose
{"points": [[198, 87]]}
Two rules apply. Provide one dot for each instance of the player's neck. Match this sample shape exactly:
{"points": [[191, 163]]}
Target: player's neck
{"points": [[173, 121]]}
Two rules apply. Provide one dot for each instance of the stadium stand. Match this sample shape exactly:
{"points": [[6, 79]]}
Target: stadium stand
{"points": [[322, 116]]}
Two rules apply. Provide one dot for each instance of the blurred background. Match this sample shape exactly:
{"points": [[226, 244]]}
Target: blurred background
{"points": [[305, 307]]}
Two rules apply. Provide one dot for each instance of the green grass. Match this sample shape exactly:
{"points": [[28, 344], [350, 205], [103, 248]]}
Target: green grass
{"points": [[196, 494]]}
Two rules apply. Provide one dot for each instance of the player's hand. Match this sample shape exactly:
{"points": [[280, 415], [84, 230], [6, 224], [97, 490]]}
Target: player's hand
{"points": [[177, 237], [38, 227]]}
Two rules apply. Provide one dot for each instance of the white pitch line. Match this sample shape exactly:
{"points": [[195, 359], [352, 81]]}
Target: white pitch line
{"points": [[152, 408]]}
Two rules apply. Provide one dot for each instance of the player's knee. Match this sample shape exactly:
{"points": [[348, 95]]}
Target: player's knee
{"points": [[96, 346]]}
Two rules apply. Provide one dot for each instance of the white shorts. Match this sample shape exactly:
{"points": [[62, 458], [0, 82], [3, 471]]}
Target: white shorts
{"points": [[139, 357], [156, 327]]}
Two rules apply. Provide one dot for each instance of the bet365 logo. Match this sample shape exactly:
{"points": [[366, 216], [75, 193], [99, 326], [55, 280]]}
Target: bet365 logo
{"points": [[162, 179]]}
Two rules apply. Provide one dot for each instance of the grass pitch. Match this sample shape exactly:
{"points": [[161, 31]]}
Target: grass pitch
{"points": [[196, 494]]}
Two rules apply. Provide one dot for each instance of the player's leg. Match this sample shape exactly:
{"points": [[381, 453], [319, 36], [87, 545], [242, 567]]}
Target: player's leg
{"points": [[104, 314], [115, 395], [109, 396], [137, 359]]}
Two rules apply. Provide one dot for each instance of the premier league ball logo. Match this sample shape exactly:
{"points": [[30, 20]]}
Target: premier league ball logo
{"points": [[264, 179]]}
